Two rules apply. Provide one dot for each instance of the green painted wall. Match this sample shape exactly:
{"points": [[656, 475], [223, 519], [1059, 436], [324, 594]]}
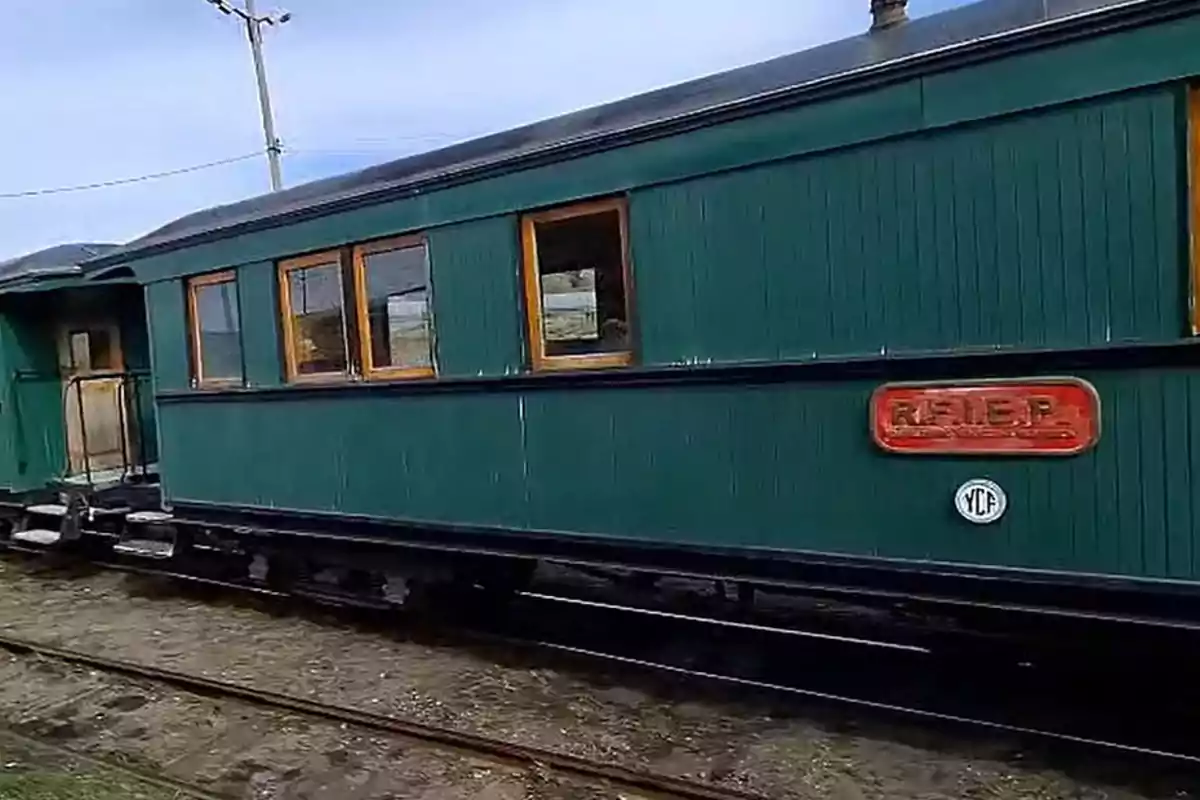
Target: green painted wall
{"points": [[783, 466], [34, 447], [477, 305], [129, 304], [1056, 229], [167, 313], [258, 294]]}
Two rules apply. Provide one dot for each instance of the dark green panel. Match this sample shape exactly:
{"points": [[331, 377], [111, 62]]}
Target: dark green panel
{"points": [[572, 449], [782, 465], [442, 458], [477, 298], [135, 344], [1137, 58], [33, 451], [166, 311], [1037, 231], [39, 446], [670, 293], [258, 309], [14, 444]]}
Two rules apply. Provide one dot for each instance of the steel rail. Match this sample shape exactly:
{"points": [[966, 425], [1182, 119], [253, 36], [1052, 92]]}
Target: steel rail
{"points": [[876, 705], [638, 780], [725, 623]]}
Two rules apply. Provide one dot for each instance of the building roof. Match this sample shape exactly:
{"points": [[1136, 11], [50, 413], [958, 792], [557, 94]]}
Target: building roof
{"points": [[787, 79], [53, 262]]}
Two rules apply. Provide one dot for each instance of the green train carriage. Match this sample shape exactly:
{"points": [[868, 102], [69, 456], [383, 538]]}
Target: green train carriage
{"points": [[648, 335], [76, 404]]}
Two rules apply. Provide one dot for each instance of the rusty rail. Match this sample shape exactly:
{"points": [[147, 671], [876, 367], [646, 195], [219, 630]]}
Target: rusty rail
{"points": [[655, 784]]}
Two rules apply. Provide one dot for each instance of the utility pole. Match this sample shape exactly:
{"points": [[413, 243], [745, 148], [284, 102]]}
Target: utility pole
{"points": [[254, 25]]}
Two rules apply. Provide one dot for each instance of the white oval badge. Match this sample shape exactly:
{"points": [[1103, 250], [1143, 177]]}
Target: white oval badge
{"points": [[980, 501]]}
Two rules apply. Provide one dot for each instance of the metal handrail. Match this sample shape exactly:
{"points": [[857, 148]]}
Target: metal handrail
{"points": [[77, 382]]}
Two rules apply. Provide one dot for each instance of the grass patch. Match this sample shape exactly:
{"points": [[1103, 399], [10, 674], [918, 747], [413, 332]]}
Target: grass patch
{"points": [[57, 786]]}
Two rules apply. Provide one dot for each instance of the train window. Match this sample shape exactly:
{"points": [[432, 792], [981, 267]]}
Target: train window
{"points": [[314, 317], [91, 351], [395, 330], [576, 286], [215, 329]]}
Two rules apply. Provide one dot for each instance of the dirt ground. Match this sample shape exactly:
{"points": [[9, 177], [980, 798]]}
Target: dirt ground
{"points": [[781, 752], [227, 749]]}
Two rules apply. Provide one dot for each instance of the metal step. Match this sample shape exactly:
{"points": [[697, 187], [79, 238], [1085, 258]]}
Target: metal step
{"points": [[59, 510], [148, 517], [102, 511], [145, 548], [38, 536], [47, 510]]}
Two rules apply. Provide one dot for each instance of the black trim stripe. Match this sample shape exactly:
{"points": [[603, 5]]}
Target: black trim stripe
{"points": [[1182, 353]]}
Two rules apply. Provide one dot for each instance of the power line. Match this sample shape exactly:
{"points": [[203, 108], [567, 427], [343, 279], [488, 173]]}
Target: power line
{"points": [[123, 181]]}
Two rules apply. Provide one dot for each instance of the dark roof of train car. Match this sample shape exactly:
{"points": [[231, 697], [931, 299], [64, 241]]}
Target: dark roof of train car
{"points": [[53, 262], [986, 22]]}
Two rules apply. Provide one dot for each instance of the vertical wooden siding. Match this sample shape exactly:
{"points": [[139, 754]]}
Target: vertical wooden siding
{"points": [[129, 303], [258, 316], [1193, 139], [1057, 229], [783, 466], [33, 451], [168, 334], [477, 319]]}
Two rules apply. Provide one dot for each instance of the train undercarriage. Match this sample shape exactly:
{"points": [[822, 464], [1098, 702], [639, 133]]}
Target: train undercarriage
{"points": [[123, 527]]}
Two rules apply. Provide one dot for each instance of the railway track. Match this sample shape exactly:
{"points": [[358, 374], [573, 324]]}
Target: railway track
{"points": [[636, 639], [1033, 704], [644, 784]]}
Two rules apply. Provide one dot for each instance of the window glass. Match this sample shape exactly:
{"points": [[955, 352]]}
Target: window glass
{"points": [[581, 278], [91, 351], [399, 329], [81, 352], [218, 336], [318, 324], [101, 350]]}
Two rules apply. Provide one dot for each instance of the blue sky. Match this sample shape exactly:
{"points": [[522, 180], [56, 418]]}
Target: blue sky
{"points": [[109, 89]]}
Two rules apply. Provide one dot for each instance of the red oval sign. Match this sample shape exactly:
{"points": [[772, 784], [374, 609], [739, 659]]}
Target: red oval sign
{"points": [[1036, 416]]}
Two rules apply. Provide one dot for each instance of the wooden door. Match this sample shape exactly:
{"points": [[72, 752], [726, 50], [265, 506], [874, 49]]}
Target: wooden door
{"points": [[97, 426]]}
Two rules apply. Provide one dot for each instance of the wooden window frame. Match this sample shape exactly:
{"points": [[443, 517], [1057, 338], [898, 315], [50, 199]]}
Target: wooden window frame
{"points": [[193, 285], [1193, 113], [358, 258], [286, 267], [533, 290]]}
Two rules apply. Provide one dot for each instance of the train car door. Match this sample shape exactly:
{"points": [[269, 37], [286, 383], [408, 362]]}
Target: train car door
{"points": [[97, 427]]}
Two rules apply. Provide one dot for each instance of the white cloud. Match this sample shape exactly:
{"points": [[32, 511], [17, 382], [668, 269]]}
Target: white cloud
{"points": [[107, 89]]}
